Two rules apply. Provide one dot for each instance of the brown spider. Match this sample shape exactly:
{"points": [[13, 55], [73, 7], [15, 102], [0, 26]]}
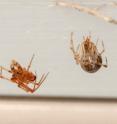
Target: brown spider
{"points": [[87, 55], [23, 77]]}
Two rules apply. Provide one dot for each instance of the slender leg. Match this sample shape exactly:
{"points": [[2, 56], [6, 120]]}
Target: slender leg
{"points": [[75, 53], [77, 49], [1, 76], [102, 49], [28, 89], [82, 50], [41, 81], [72, 45], [4, 77], [25, 87], [2, 68], [106, 65], [30, 63], [43, 77]]}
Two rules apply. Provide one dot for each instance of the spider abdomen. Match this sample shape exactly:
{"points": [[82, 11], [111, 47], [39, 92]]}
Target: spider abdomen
{"points": [[91, 66]]}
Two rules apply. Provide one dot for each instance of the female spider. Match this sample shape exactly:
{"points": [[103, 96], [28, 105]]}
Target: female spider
{"points": [[87, 55], [23, 77]]}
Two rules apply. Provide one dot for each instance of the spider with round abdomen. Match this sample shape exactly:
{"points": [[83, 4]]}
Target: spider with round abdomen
{"points": [[23, 76], [87, 55]]}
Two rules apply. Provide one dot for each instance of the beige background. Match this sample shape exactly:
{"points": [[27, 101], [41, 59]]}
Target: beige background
{"points": [[41, 27]]}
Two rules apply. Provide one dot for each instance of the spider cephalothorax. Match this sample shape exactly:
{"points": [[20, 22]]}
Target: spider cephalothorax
{"points": [[87, 55]]}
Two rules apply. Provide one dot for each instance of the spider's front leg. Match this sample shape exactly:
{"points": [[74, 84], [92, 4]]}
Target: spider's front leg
{"points": [[30, 62], [3, 68], [3, 77], [75, 52]]}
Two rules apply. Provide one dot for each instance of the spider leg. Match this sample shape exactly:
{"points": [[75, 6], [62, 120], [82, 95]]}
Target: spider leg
{"points": [[30, 62], [72, 44], [1, 76], [3, 68], [102, 49], [82, 51], [106, 65], [75, 52], [43, 77], [25, 87], [77, 49], [5, 78]]}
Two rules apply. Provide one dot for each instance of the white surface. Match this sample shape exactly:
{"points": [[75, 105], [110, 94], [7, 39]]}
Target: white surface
{"points": [[51, 112], [40, 27]]}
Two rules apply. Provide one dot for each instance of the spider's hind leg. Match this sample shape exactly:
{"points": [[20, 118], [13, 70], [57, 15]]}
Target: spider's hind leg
{"points": [[103, 50], [106, 65]]}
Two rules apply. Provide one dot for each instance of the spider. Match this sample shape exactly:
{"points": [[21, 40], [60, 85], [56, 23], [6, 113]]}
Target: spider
{"points": [[23, 77], [87, 55]]}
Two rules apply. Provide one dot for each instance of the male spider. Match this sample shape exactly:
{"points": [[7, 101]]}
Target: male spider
{"points": [[23, 77], [87, 55]]}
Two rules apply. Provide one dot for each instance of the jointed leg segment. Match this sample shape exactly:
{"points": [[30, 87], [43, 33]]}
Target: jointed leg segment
{"points": [[3, 77], [106, 65], [72, 45], [102, 49], [3, 68], [30, 62], [75, 52]]}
